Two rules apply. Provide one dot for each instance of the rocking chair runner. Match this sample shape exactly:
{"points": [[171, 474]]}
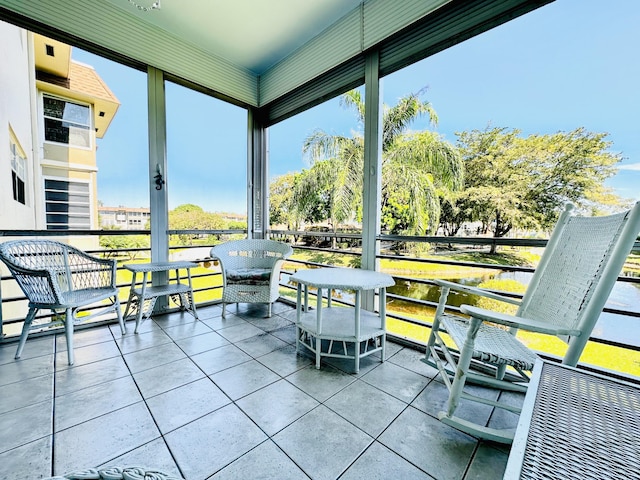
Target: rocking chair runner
{"points": [[56, 276], [565, 296], [251, 270]]}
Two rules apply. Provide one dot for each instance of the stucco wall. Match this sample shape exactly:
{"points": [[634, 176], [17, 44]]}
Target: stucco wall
{"points": [[15, 112]]}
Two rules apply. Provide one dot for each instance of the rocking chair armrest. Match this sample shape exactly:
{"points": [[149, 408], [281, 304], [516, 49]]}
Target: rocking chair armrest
{"points": [[476, 291], [517, 322]]}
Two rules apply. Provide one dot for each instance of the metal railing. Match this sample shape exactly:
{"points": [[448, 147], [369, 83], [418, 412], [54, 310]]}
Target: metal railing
{"points": [[315, 242]]}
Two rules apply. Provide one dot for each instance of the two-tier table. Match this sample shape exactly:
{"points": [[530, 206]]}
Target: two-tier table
{"points": [[143, 299], [341, 331]]}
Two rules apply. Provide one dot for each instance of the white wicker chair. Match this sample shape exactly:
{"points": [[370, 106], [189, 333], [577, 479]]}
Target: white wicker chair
{"points": [[251, 270], [56, 276], [565, 297]]}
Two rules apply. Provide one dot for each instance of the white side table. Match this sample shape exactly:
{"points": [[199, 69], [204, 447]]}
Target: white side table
{"points": [[341, 332], [144, 299]]}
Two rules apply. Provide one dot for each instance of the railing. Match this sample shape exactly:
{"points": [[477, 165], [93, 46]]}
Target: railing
{"points": [[208, 290]]}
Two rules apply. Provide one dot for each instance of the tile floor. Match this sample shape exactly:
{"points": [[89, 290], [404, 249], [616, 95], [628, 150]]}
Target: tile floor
{"points": [[227, 399]]}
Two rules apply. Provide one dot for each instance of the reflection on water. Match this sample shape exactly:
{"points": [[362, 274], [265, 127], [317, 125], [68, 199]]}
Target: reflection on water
{"points": [[618, 328]]}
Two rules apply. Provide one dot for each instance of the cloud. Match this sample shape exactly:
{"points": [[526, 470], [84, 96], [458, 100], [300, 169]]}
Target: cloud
{"points": [[630, 166]]}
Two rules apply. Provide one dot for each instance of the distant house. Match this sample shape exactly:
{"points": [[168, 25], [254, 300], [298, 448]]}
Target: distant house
{"points": [[123, 218], [52, 109]]}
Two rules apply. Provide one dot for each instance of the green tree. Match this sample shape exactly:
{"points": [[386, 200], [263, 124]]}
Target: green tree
{"points": [[113, 243], [280, 199], [454, 213], [524, 182], [415, 165], [192, 217], [291, 205]]}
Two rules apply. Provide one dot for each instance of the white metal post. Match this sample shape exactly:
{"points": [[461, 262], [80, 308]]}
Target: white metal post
{"points": [[158, 182], [257, 178], [372, 171]]}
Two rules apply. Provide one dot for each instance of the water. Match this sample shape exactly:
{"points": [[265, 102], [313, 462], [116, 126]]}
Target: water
{"points": [[612, 327]]}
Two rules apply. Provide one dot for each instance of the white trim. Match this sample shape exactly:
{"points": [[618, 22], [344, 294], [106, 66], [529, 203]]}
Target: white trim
{"points": [[18, 164], [67, 166], [42, 94]]}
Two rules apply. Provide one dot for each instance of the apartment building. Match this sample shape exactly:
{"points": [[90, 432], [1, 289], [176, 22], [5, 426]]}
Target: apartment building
{"points": [[52, 110], [123, 218]]}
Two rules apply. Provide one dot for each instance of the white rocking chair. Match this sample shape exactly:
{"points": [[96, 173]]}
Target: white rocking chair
{"points": [[251, 270], [565, 297]]}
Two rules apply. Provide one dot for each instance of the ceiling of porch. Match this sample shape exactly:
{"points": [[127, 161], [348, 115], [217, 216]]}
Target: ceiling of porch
{"points": [[280, 56]]}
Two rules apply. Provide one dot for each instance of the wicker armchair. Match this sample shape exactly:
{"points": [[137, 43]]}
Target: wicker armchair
{"points": [[251, 270], [58, 277], [564, 298]]}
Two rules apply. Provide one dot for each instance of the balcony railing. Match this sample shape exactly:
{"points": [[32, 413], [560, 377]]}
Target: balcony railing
{"points": [[409, 317]]}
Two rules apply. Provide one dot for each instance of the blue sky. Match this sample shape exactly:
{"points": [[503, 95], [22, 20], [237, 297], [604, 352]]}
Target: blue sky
{"points": [[570, 64]]}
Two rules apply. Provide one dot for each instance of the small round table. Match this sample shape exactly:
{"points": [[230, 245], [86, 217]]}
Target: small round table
{"points": [[341, 332]]}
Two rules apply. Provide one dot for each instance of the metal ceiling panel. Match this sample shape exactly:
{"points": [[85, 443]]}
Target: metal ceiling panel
{"points": [[114, 29], [332, 62], [325, 87], [383, 18], [361, 29], [452, 23], [335, 45]]}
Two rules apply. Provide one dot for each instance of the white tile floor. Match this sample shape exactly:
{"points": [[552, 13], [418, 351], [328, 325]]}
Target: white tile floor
{"points": [[227, 399]]}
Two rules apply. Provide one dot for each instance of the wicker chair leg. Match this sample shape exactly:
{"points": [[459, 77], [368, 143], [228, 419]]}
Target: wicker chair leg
{"points": [[68, 330], [224, 310], [269, 310], [118, 308], [25, 330]]}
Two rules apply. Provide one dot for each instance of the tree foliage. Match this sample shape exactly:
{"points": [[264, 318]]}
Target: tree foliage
{"points": [[281, 208], [415, 166], [524, 182], [113, 243], [192, 217]]}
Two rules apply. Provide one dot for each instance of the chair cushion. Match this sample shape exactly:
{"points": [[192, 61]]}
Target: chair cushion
{"points": [[249, 276]]}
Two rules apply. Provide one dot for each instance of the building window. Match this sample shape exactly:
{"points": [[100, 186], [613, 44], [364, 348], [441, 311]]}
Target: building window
{"points": [[67, 204], [66, 122], [18, 173]]}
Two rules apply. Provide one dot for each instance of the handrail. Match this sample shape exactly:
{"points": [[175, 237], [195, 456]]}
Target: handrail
{"points": [[348, 252]]}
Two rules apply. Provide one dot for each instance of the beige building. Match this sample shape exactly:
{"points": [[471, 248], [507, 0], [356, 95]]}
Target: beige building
{"points": [[124, 218], [52, 109]]}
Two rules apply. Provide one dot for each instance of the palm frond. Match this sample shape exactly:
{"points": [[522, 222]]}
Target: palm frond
{"points": [[429, 152], [396, 119]]}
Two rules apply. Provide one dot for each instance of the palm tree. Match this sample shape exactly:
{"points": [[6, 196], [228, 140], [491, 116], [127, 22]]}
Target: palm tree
{"points": [[416, 166]]}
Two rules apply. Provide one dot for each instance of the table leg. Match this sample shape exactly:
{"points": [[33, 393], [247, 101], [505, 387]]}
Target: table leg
{"points": [[383, 320], [192, 300], [131, 295], [318, 327], [298, 315], [357, 332], [141, 302]]}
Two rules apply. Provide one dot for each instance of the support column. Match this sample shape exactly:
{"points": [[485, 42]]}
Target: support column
{"points": [[257, 178], [158, 183], [372, 182]]}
